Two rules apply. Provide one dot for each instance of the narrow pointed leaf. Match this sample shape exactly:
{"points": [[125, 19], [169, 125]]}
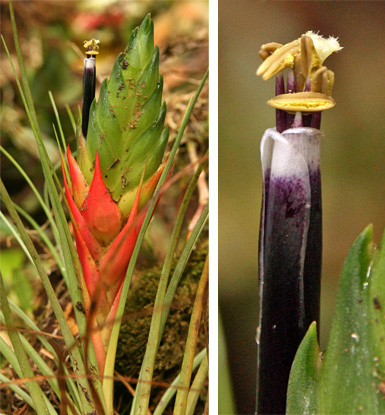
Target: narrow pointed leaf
{"points": [[347, 382], [304, 375]]}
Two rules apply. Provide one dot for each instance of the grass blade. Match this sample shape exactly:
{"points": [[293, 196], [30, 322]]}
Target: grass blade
{"points": [[47, 345], [177, 274], [71, 117], [171, 391], [63, 140], [197, 386], [67, 334], [26, 370], [65, 237], [36, 358], [16, 236], [10, 355], [22, 393], [43, 237], [191, 342], [35, 191]]}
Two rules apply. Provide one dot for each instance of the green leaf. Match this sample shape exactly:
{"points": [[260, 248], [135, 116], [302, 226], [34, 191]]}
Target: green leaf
{"points": [[302, 392], [376, 310], [197, 386], [17, 390], [351, 377], [347, 376]]}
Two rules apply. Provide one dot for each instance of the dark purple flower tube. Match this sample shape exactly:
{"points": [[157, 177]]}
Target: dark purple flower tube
{"points": [[290, 256], [89, 81], [88, 91]]}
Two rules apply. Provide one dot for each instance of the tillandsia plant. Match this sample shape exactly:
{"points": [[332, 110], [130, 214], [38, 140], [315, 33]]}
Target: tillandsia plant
{"points": [[118, 167], [291, 223], [111, 190]]}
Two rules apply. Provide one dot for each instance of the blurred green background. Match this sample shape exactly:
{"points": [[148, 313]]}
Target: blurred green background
{"points": [[353, 152]]}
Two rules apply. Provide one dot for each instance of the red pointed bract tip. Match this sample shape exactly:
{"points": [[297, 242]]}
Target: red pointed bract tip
{"points": [[100, 212], [79, 184]]}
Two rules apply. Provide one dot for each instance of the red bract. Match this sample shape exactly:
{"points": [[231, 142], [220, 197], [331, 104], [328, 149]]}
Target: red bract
{"points": [[105, 240]]}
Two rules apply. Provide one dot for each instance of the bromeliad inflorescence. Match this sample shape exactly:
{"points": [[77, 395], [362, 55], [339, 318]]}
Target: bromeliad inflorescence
{"points": [[291, 222], [118, 166]]}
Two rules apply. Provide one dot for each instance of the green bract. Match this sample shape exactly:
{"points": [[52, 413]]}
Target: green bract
{"points": [[126, 124]]}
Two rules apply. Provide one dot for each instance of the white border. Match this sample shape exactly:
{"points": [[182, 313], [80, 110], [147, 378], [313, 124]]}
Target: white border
{"points": [[213, 227]]}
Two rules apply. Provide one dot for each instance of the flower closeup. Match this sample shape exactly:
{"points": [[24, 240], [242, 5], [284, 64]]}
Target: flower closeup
{"points": [[309, 83], [118, 166], [290, 247]]}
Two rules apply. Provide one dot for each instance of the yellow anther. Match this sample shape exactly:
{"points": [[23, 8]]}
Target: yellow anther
{"points": [[92, 46], [319, 79], [310, 61], [282, 58], [268, 49]]}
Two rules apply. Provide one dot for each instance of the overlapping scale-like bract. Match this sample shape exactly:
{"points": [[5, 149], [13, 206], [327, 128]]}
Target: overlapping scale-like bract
{"points": [[126, 125]]}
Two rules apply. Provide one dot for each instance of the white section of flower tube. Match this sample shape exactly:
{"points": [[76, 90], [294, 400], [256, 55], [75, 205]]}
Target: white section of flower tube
{"points": [[324, 47], [292, 152], [307, 141], [89, 63]]}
